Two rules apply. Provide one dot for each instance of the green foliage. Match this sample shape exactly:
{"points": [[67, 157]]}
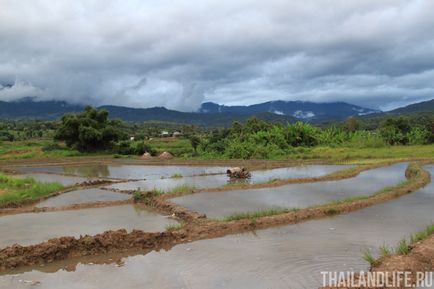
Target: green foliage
{"points": [[174, 227], [403, 247], [418, 136], [127, 147], [90, 130], [369, 257], [385, 250], [257, 214], [23, 189], [195, 142]]}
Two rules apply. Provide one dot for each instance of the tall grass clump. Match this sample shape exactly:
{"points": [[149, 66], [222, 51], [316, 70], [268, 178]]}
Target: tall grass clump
{"points": [[16, 189], [257, 214], [369, 257]]}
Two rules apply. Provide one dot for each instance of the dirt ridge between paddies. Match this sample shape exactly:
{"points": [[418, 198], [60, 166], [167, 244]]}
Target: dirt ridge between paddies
{"points": [[195, 227], [420, 258]]}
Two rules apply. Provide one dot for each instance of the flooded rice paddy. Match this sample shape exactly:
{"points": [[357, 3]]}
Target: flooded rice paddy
{"points": [[219, 204], [289, 256], [125, 172], [32, 228], [64, 180], [214, 181], [82, 197]]}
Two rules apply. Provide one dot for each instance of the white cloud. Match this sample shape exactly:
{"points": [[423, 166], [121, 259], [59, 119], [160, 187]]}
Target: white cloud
{"points": [[178, 53]]}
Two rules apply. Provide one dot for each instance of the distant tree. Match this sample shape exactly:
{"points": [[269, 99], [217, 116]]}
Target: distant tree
{"points": [[351, 124], [195, 142], [89, 130]]}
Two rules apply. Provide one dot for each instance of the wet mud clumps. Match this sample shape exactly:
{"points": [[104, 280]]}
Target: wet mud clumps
{"points": [[67, 247]]}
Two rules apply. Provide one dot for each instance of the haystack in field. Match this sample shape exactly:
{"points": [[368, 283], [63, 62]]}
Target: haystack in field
{"points": [[165, 155], [146, 156]]}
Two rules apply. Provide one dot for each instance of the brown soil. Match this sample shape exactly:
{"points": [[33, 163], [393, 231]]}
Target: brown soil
{"points": [[31, 209], [420, 259], [196, 227]]}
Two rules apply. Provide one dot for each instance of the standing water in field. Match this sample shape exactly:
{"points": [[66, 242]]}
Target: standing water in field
{"points": [[290, 256], [126, 172], [32, 228], [215, 181], [219, 204], [64, 180], [81, 197]]}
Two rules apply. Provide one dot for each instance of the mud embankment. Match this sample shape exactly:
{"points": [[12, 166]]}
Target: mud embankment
{"points": [[419, 259], [196, 227]]}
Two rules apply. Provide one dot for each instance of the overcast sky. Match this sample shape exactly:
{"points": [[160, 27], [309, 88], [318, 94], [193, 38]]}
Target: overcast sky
{"points": [[178, 54]]}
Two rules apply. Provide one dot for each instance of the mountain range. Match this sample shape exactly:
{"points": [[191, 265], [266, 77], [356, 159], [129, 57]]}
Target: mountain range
{"points": [[209, 114]]}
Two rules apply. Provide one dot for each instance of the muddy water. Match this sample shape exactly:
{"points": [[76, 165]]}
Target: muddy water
{"points": [[64, 180], [215, 181], [31, 228], [285, 257], [125, 171], [81, 197], [219, 204]]}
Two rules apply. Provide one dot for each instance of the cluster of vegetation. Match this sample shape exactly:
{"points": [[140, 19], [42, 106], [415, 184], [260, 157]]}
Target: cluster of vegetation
{"points": [[16, 190], [258, 139], [23, 130], [92, 131]]}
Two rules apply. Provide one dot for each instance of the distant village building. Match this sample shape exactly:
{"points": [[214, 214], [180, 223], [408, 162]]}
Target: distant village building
{"points": [[177, 134], [164, 133]]}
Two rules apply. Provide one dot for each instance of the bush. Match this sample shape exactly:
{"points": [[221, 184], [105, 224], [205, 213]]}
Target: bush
{"points": [[127, 147], [90, 130]]}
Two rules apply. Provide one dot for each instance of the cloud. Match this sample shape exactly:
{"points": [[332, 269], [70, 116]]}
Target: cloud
{"points": [[178, 54]]}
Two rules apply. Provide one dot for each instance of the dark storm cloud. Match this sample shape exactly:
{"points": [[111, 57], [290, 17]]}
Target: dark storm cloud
{"points": [[179, 53]]}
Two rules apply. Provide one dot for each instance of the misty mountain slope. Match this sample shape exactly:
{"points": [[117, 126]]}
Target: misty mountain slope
{"points": [[299, 109], [50, 110], [163, 114], [211, 114], [424, 106]]}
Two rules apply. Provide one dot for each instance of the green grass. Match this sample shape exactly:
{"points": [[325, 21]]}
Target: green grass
{"points": [[349, 153], [176, 176], [174, 227], [385, 250], [403, 247], [18, 189], [369, 257], [257, 214], [179, 147], [404, 244], [177, 189], [138, 195]]}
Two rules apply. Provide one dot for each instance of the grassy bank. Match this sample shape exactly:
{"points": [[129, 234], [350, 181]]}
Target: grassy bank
{"points": [[403, 247], [15, 190]]}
